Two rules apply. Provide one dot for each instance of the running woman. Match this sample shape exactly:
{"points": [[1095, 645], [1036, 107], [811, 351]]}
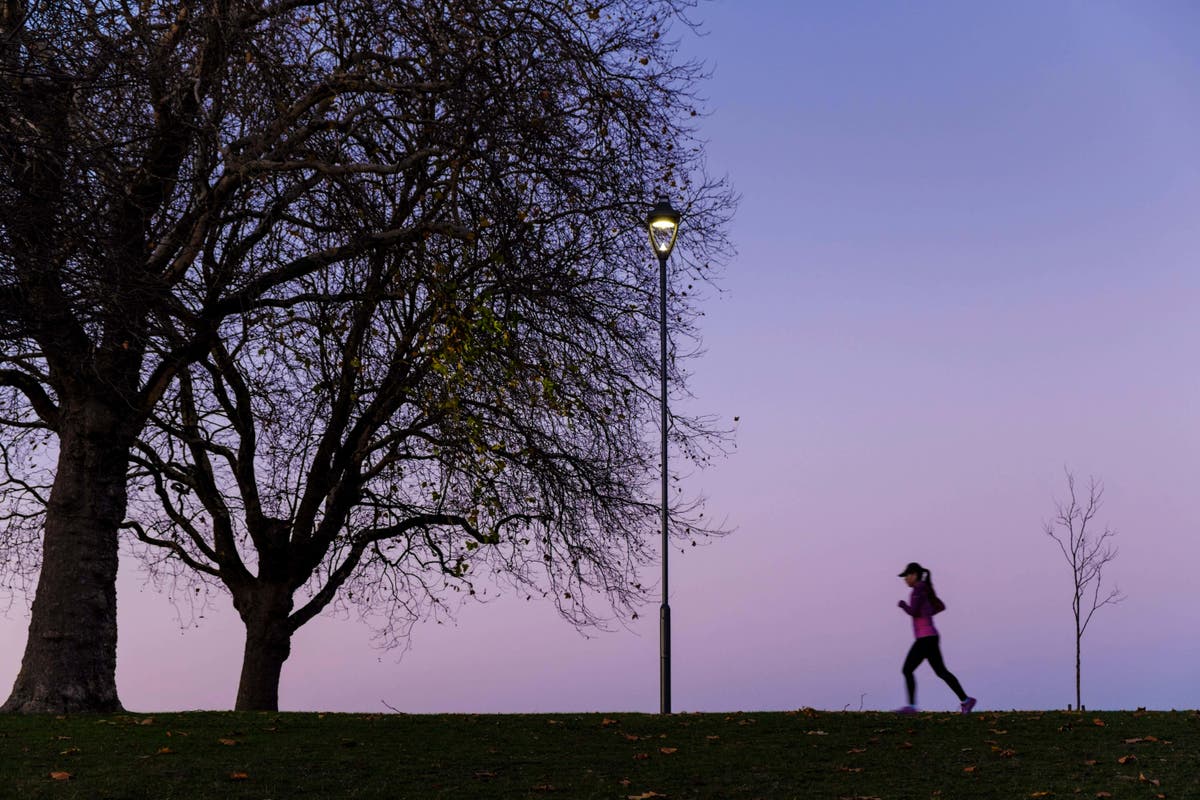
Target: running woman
{"points": [[926, 646]]}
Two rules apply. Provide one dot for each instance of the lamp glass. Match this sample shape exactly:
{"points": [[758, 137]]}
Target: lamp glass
{"points": [[662, 235]]}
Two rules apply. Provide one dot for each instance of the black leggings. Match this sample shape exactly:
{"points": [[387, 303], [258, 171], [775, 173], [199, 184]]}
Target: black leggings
{"points": [[927, 648]]}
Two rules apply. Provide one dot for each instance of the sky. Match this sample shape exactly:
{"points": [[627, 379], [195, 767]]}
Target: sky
{"points": [[967, 261]]}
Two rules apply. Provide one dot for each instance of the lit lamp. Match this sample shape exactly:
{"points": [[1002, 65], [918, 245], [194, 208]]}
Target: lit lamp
{"points": [[663, 223]]}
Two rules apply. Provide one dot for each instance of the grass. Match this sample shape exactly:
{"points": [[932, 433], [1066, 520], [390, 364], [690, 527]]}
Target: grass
{"points": [[802, 754]]}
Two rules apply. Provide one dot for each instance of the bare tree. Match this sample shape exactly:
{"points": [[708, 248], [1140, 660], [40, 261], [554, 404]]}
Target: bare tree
{"points": [[1087, 552], [171, 169], [465, 419]]}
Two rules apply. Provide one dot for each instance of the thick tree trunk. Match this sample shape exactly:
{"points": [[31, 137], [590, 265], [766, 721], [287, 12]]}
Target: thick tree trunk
{"points": [[265, 611], [71, 654]]}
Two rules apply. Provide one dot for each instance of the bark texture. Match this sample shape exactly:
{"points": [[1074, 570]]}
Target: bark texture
{"points": [[268, 644], [71, 653]]}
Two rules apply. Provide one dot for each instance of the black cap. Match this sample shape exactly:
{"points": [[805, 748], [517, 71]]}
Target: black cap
{"points": [[913, 568]]}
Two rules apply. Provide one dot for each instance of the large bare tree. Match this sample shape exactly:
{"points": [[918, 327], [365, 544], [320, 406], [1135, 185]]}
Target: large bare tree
{"points": [[1087, 552], [476, 414], [174, 171]]}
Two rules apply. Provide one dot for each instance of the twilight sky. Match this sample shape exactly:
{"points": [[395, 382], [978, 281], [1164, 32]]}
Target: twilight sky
{"points": [[967, 258]]}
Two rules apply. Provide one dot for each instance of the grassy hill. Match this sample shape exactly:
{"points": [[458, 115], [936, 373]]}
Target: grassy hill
{"points": [[802, 754]]}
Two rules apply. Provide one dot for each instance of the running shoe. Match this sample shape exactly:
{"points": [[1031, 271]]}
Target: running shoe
{"points": [[967, 705], [906, 710]]}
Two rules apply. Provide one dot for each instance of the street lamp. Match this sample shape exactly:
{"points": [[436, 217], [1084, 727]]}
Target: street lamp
{"points": [[663, 224]]}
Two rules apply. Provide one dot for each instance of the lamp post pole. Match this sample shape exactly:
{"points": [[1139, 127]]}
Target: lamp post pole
{"points": [[663, 223]]}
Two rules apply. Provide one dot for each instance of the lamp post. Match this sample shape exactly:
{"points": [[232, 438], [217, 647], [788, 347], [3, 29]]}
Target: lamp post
{"points": [[663, 223]]}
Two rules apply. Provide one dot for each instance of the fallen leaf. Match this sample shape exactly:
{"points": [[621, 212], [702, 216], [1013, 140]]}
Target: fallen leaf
{"points": [[849, 769], [816, 733], [1091, 762], [711, 738], [640, 756], [666, 751], [969, 770], [633, 737], [484, 774], [165, 751], [70, 751], [544, 787], [998, 733], [1103, 794], [905, 745], [624, 781], [646, 796], [228, 742], [1007, 753], [1041, 794], [604, 723], [60, 776], [857, 750], [238, 776], [1098, 722], [1151, 781], [1126, 759]]}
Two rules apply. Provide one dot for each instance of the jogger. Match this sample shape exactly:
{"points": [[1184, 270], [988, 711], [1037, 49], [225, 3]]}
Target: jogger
{"points": [[921, 607]]}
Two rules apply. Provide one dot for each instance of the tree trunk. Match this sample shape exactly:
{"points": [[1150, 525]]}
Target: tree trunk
{"points": [[265, 612], [1079, 638], [70, 656]]}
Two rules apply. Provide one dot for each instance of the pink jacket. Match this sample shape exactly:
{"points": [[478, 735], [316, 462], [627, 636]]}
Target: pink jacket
{"points": [[921, 610]]}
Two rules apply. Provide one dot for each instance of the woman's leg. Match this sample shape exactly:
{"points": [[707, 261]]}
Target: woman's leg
{"points": [[934, 655], [916, 654]]}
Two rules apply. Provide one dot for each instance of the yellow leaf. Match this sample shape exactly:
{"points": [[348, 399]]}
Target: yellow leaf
{"points": [[165, 751], [60, 776], [1098, 722]]}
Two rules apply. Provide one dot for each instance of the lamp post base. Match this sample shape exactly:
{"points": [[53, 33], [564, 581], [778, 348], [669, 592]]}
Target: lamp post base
{"points": [[664, 632]]}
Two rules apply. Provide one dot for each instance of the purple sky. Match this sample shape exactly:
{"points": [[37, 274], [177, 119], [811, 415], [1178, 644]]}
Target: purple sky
{"points": [[968, 248]]}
